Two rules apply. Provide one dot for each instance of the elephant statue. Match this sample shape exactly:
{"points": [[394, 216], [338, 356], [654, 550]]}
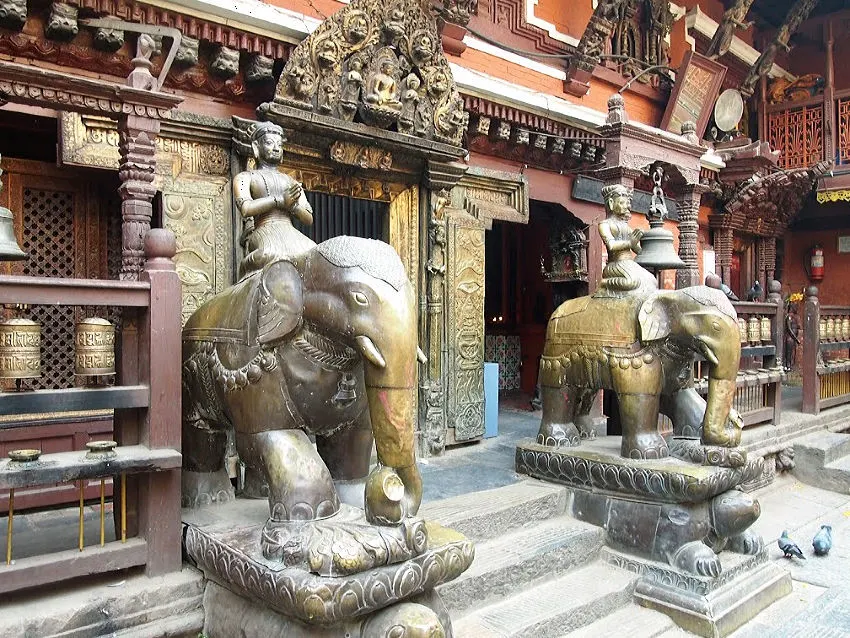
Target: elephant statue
{"points": [[321, 344], [642, 346]]}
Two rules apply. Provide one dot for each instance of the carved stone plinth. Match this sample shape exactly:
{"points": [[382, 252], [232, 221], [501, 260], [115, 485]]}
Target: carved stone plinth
{"points": [[225, 543], [670, 520], [711, 607]]}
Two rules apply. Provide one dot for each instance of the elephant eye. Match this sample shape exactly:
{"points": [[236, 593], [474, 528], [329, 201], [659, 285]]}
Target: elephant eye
{"points": [[360, 298], [716, 326]]}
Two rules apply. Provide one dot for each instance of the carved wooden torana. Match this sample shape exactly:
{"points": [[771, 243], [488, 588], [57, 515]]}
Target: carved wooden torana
{"points": [[380, 64]]}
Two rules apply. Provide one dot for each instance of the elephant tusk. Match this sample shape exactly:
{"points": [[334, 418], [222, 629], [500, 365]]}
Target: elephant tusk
{"points": [[369, 350], [421, 355], [707, 352]]}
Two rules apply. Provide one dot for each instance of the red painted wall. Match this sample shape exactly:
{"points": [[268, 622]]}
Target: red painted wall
{"points": [[835, 287]]}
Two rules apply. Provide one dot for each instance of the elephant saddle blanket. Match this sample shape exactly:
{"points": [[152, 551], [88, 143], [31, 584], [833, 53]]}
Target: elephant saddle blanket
{"points": [[596, 321]]}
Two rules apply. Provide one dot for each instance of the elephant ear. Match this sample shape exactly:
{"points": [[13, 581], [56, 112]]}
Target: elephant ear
{"points": [[653, 319], [280, 302]]}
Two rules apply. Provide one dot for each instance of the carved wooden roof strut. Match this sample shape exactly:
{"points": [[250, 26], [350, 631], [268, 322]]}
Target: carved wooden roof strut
{"points": [[796, 16]]}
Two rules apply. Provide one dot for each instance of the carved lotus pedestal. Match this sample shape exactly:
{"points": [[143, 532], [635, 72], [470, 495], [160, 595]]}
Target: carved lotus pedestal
{"points": [[250, 595], [681, 524]]}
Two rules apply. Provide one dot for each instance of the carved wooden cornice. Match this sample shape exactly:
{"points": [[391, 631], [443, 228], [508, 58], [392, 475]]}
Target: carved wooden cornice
{"points": [[26, 84], [765, 204], [744, 159], [489, 195], [216, 72]]}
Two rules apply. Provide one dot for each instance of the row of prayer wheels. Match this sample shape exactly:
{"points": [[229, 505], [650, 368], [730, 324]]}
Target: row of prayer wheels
{"points": [[20, 348], [834, 328], [755, 330]]}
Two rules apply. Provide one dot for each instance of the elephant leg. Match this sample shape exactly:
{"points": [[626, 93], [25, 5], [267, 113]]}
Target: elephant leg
{"points": [[557, 428], [204, 477], [348, 454], [299, 483], [685, 409], [583, 420], [641, 439]]}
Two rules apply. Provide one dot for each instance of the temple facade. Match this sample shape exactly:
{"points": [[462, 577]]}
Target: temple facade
{"points": [[479, 156]]}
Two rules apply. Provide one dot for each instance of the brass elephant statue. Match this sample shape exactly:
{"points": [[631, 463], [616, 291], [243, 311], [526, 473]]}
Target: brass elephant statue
{"points": [[324, 344], [642, 347]]}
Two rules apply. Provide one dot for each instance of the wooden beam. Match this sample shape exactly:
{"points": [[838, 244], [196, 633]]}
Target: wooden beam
{"points": [[64, 467], [47, 569], [50, 291], [74, 399]]}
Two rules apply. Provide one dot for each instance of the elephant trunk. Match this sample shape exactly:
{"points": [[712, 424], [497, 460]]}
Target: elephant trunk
{"points": [[393, 423]]}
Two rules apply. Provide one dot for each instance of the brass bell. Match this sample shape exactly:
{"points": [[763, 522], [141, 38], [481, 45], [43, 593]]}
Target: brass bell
{"points": [[345, 394], [9, 249], [657, 252], [94, 348], [20, 349]]}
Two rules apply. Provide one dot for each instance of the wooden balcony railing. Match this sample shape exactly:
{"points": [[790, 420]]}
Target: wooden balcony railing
{"points": [[801, 130], [826, 354], [146, 404]]}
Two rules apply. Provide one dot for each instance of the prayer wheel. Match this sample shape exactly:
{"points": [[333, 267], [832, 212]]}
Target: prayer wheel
{"points": [[20, 349], [94, 353], [742, 330], [766, 330], [754, 331], [845, 328], [830, 329]]}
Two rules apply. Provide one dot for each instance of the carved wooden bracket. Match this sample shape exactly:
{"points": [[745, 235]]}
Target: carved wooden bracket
{"points": [[489, 195]]}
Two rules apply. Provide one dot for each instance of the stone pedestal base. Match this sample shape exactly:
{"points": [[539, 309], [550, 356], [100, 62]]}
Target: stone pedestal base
{"points": [[711, 607], [250, 595], [228, 614]]}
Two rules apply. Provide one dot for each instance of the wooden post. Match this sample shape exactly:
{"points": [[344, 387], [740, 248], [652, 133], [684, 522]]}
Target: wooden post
{"points": [[829, 121], [774, 392], [688, 205], [160, 364], [811, 348]]}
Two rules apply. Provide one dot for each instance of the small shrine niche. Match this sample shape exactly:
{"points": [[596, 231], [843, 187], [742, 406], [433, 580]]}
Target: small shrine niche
{"points": [[568, 249], [379, 64]]}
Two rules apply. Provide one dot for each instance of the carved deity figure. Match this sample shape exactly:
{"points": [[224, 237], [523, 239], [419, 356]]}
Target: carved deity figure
{"points": [[272, 199], [621, 274], [409, 101], [382, 89], [792, 337]]}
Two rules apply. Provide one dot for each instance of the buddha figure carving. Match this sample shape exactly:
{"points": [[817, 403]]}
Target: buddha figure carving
{"points": [[621, 274], [381, 104], [272, 199]]}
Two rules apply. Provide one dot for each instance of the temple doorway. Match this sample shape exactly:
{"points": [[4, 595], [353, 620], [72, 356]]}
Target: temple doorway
{"points": [[530, 270]]}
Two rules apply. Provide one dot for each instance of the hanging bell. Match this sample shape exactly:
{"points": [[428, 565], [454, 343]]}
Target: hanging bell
{"points": [[345, 394], [20, 349], [9, 249], [657, 252]]}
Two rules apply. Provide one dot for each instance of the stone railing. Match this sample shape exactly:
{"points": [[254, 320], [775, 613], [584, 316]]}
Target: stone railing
{"points": [[826, 354], [145, 464]]}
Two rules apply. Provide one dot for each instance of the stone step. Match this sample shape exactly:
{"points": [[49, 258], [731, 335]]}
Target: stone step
{"points": [[823, 447], [504, 565], [490, 513], [122, 605], [554, 607], [823, 460], [633, 621]]}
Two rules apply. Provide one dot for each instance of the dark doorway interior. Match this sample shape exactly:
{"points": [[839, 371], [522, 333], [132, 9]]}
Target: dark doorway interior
{"points": [[529, 271], [335, 215]]}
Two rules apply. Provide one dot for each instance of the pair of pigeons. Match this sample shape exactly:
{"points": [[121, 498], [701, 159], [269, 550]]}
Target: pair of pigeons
{"points": [[822, 543]]}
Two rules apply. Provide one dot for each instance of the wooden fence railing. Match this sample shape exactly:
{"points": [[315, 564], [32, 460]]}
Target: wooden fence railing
{"points": [[146, 404], [826, 354], [758, 396]]}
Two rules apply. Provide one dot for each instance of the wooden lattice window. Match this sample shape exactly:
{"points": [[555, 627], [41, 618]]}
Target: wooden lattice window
{"points": [[843, 151], [48, 217], [798, 133]]}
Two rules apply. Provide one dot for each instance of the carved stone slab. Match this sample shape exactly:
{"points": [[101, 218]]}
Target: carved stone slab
{"points": [[598, 466], [711, 607], [227, 549]]}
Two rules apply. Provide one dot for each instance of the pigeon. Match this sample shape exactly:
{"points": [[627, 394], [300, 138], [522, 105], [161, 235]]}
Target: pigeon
{"points": [[726, 290], [789, 548], [822, 541], [754, 293]]}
